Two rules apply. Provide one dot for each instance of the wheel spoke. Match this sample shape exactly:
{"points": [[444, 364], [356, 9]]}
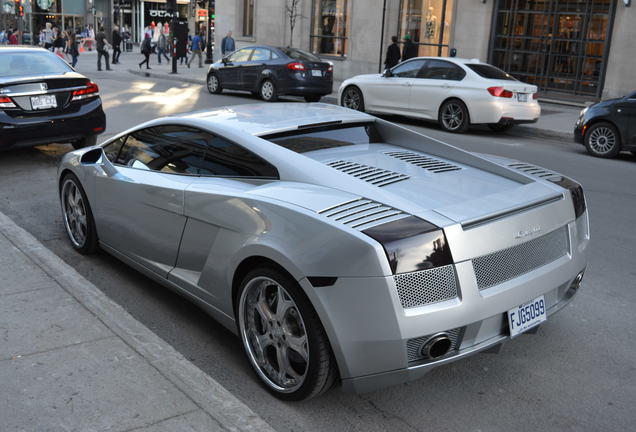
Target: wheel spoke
{"points": [[299, 345], [282, 304]]}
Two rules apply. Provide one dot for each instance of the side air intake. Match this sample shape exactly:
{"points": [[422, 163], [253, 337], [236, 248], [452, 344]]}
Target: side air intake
{"points": [[375, 176], [362, 213], [428, 163], [534, 170]]}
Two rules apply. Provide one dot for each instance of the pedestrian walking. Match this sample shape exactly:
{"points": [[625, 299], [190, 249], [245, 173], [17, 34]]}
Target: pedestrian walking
{"points": [[410, 49], [58, 43], [90, 36], [4, 39], [73, 48], [46, 36], [13, 37], [116, 40], [145, 50], [162, 46], [227, 44], [392, 54], [101, 45], [197, 45]]}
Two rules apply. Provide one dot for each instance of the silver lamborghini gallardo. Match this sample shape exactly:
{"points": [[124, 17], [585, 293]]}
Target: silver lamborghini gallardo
{"points": [[340, 247]]}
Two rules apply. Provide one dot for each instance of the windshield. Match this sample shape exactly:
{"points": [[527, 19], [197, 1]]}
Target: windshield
{"points": [[25, 63], [491, 72], [301, 55], [326, 137]]}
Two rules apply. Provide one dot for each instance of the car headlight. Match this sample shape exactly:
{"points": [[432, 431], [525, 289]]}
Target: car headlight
{"points": [[583, 111], [412, 244], [576, 190]]}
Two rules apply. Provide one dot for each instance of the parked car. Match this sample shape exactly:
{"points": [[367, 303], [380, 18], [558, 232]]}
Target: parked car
{"points": [[453, 91], [304, 230], [608, 127], [44, 100], [271, 72]]}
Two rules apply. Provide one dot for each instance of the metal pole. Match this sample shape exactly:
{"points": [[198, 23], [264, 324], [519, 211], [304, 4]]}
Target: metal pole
{"points": [[382, 36], [208, 47], [173, 30]]}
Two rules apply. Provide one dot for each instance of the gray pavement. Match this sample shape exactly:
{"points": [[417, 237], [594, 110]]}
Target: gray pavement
{"points": [[73, 360]]}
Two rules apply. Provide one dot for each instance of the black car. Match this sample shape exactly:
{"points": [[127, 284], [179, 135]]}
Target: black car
{"points": [[608, 127], [270, 72], [43, 100]]}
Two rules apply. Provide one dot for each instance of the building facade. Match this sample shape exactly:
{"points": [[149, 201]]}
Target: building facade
{"points": [[576, 50]]}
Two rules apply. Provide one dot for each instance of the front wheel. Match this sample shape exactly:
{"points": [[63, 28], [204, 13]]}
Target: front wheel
{"points": [[88, 141], [77, 215], [453, 116], [268, 91], [602, 140], [352, 98], [214, 85], [283, 337], [312, 98]]}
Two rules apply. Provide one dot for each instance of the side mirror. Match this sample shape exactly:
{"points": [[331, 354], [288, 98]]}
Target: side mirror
{"points": [[97, 158], [225, 60], [387, 73]]}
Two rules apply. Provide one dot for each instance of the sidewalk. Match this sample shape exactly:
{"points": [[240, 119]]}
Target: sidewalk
{"points": [[73, 360], [556, 121]]}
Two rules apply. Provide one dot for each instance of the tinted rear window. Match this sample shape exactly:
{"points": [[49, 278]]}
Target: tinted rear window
{"points": [[301, 55], [31, 63], [320, 138], [491, 72]]}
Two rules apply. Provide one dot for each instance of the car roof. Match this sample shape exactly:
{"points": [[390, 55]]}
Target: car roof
{"points": [[21, 48], [457, 60], [268, 118]]}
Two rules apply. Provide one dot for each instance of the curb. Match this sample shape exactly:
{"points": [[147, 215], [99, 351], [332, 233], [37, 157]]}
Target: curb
{"points": [[209, 395]]}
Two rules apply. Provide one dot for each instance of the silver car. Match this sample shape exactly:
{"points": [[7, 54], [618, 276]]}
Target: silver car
{"points": [[340, 247]]}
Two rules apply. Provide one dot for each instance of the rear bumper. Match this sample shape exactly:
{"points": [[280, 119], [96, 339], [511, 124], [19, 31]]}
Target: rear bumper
{"points": [[503, 111], [305, 87], [30, 131]]}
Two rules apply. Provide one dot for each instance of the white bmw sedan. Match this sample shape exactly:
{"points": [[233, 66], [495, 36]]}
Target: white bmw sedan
{"points": [[456, 92]]}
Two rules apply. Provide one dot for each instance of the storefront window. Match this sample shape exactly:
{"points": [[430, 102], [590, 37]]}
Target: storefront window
{"points": [[558, 45], [248, 18], [427, 23], [330, 27]]}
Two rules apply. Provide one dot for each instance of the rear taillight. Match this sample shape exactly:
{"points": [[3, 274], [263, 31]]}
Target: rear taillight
{"points": [[6, 102], [535, 95], [91, 90], [330, 68], [297, 66], [499, 92]]}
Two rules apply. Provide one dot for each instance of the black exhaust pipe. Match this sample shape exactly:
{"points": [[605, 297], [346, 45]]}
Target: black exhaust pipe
{"points": [[437, 346]]}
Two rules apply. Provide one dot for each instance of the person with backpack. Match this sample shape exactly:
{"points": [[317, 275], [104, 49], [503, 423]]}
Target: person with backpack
{"points": [[146, 49], [197, 46]]}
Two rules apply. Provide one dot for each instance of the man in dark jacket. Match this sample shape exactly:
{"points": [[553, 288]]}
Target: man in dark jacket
{"points": [[116, 43], [410, 49], [392, 54], [101, 43], [227, 44]]}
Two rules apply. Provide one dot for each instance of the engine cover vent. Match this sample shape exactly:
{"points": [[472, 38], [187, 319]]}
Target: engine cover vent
{"points": [[428, 163], [362, 213], [375, 176], [535, 171]]}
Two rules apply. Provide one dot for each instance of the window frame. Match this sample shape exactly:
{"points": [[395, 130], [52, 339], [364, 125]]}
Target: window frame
{"points": [[442, 20], [125, 139], [245, 18], [315, 10]]}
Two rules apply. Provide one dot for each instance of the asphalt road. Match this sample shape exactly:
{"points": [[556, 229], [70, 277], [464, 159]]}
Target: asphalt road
{"points": [[578, 373]]}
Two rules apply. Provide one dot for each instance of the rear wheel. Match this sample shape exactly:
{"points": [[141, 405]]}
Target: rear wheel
{"points": [[312, 98], [453, 116], [352, 98], [77, 214], [283, 337], [214, 85], [499, 127], [602, 140], [88, 141], [268, 91]]}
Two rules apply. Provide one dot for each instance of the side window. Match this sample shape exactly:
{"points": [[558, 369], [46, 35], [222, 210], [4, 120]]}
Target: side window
{"points": [[228, 159], [111, 150], [242, 55], [408, 69], [443, 70], [275, 56], [261, 54]]}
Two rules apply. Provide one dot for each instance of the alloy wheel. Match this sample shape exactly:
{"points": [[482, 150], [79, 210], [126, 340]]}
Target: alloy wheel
{"points": [[213, 83], [351, 99], [602, 140], [274, 334], [267, 90], [452, 116], [74, 209]]}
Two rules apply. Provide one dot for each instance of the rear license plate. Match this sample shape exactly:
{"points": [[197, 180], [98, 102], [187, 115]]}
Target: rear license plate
{"points": [[526, 316], [522, 97], [316, 73], [43, 102]]}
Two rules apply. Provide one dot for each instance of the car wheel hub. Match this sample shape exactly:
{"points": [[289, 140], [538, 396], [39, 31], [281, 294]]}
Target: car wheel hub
{"points": [[267, 90], [352, 99], [602, 140], [213, 83], [274, 334], [74, 213], [452, 116]]}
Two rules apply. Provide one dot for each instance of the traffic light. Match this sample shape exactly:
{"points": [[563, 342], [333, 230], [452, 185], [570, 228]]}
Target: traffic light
{"points": [[17, 7]]}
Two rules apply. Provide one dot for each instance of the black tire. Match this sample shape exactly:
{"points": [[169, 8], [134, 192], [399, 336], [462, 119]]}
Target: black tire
{"points": [[213, 83], [500, 127], [88, 244], [320, 371], [352, 98], [268, 91], [453, 116], [312, 98], [88, 141], [603, 140]]}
